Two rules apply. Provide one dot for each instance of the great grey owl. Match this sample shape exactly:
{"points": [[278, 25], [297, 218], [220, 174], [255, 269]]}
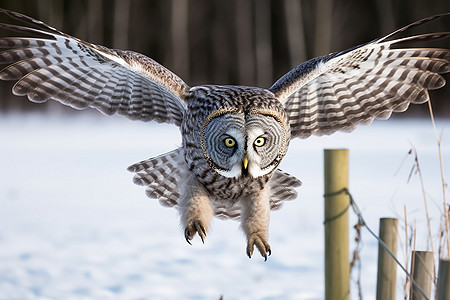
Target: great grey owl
{"points": [[233, 137]]}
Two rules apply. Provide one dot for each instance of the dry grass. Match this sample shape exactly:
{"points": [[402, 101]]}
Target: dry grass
{"points": [[446, 209], [444, 225]]}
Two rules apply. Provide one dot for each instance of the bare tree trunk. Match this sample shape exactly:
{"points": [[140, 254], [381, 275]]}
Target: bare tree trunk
{"points": [[386, 16], [221, 43], [199, 26], [180, 37], [324, 18], [51, 11], [121, 24], [244, 43], [264, 64], [295, 32], [95, 21]]}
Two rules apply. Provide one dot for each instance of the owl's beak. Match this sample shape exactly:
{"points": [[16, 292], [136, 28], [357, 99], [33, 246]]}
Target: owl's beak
{"points": [[245, 162]]}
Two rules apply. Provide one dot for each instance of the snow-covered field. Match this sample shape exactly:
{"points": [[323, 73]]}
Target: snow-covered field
{"points": [[74, 226]]}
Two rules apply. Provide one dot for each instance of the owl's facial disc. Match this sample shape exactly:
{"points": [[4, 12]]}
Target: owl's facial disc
{"points": [[237, 144], [223, 142], [266, 143]]}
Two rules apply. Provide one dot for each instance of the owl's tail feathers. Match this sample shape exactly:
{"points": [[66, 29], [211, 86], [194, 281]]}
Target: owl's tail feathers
{"points": [[161, 175], [283, 187]]}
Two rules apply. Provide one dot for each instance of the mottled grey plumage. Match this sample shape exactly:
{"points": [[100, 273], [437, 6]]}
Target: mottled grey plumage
{"points": [[234, 137]]}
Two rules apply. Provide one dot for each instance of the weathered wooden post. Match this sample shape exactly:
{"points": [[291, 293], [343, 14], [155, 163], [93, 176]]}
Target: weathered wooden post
{"points": [[337, 263], [387, 268], [443, 286], [422, 272]]}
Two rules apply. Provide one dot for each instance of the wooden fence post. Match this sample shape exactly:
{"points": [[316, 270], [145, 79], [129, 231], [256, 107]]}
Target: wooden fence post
{"points": [[337, 263], [443, 286], [422, 272], [387, 267]]}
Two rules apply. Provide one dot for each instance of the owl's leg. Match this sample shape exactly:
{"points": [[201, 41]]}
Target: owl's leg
{"points": [[195, 210], [255, 215]]}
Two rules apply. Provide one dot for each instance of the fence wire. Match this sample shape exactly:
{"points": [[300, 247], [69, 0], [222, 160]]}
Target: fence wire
{"points": [[362, 222]]}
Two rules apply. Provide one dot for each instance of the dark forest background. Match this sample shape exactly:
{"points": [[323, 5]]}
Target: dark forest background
{"points": [[247, 42]]}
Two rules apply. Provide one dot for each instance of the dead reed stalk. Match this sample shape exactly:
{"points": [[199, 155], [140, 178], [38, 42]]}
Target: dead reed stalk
{"points": [[418, 170], [413, 252], [444, 185]]}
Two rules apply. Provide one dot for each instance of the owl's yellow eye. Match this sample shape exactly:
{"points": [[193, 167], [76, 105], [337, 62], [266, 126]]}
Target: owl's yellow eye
{"points": [[259, 142], [229, 142]]}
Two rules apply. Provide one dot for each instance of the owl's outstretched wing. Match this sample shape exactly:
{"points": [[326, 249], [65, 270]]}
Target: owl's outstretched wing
{"points": [[162, 176], [341, 90], [54, 65]]}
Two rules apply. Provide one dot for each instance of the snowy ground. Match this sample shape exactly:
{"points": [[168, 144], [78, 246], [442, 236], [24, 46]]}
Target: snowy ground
{"points": [[74, 226]]}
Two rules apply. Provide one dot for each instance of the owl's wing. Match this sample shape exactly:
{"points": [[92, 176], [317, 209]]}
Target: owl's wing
{"points": [[162, 176], [282, 187], [341, 90], [54, 65]]}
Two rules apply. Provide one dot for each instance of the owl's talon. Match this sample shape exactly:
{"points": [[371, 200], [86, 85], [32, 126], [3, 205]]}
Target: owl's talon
{"points": [[186, 235], [261, 244], [192, 228], [201, 231], [269, 253], [249, 253]]}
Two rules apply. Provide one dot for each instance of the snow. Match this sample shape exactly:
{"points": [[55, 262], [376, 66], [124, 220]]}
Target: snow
{"points": [[74, 226]]}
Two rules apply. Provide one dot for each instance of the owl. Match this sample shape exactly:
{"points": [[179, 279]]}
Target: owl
{"points": [[233, 137]]}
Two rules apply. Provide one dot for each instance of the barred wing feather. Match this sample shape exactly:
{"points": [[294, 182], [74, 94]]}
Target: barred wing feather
{"points": [[339, 91], [162, 176], [57, 66]]}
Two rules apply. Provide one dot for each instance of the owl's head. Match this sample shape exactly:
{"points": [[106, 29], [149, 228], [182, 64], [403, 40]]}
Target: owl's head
{"points": [[237, 143]]}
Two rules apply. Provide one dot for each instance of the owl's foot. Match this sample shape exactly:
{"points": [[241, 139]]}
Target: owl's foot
{"points": [[260, 243], [192, 228]]}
